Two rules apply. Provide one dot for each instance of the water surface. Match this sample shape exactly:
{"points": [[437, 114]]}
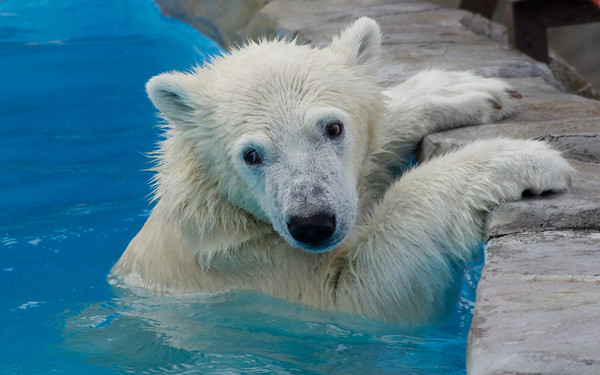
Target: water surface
{"points": [[75, 124]]}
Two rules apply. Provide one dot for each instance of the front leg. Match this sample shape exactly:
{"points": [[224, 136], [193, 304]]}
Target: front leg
{"points": [[404, 258], [436, 100]]}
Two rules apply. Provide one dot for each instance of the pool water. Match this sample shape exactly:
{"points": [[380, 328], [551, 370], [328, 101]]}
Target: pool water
{"points": [[74, 126]]}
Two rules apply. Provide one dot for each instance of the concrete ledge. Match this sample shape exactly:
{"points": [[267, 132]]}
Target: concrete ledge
{"points": [[537, 305], [538, 302]]}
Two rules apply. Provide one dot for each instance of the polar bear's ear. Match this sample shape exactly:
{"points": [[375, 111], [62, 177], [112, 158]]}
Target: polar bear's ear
{"points": [[171, 95], [360, 42]]}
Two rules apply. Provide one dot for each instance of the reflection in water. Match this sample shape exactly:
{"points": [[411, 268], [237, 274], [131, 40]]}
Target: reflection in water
{"points": [[247, 332]]}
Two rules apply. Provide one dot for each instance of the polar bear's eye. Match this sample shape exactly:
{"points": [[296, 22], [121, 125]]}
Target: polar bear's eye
{"points": [[251, 157], [334, 129]]}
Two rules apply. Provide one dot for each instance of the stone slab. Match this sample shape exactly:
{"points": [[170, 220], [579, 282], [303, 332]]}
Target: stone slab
{"points": [[306, 16], [553, 255], [538, 304], [316, 23], [492, 60]]}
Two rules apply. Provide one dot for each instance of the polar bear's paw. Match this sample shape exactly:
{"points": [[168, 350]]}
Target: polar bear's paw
{"points": [[516, 166], [453, 99], [478, 99], [547, 171]]}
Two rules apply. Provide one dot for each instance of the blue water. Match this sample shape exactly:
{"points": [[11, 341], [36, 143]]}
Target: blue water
{"points": [[74, 125]]}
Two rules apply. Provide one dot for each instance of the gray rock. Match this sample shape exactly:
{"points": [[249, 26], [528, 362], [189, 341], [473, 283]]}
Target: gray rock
{"points": [[537, 305], [222, 21]]}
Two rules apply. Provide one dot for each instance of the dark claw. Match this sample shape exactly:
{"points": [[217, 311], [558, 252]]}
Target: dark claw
{"points": [[495, 104], [514, 93]]}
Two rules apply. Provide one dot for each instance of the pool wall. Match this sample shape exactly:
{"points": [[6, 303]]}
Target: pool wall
{"points": [[539, 297]]}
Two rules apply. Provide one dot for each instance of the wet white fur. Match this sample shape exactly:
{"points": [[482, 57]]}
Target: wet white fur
{"points": [[219, 224]]}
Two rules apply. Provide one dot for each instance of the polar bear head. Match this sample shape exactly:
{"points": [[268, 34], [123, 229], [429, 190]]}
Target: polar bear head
{"points": [[279, 131]]}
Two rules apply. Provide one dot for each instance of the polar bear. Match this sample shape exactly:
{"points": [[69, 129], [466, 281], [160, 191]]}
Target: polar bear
{"points": [[285, 169]]}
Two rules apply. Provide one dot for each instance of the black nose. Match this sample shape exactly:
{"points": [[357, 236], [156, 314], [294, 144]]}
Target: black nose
{"points": [[313, 229]]}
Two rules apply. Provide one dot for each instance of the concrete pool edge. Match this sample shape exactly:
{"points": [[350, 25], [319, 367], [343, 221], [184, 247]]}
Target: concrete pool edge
{"points": [[539, 294]]}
